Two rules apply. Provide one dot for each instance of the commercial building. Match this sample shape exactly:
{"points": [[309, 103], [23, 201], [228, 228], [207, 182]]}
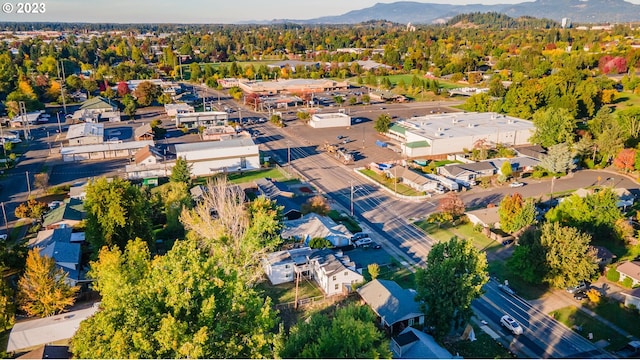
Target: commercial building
{"points": [[330, 120], [179, 108], [291, 86], [96, 109], [212, 157], [85, 134], [108, 150], [441, 134], [205, 118]]}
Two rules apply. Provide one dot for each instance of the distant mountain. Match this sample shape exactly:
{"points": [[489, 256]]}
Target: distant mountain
{"points": [[582, 11]]}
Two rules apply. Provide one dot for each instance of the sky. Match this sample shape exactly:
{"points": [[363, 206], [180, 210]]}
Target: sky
{"points": [[199, 11]]}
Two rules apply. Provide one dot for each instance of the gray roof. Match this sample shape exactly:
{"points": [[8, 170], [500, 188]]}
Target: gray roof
{"points": [[312, 226], [332, 263], [424, 346], [85, 129], [489, 215], [476, 167], [141, 130], [391, 302], [410, 175], [63, 252], [32, 333], [47, 237], [292, 256], [213, 145]]}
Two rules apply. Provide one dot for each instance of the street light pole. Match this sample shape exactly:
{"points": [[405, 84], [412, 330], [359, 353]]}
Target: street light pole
{"points": [[6, 223], [351, 182], [28, 183]]}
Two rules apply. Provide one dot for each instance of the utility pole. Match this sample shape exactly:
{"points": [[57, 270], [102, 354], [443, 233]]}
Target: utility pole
{"points": [[59, 126], [289, 156], [25, 120], [363, 137], [62, 83], [6, 163], [395, 178], [351, 183], [28, 183], [49, 142], [6, 223]]}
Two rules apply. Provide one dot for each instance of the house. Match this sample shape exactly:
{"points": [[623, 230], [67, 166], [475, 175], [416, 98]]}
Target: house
{"points": [[632, 297], [213, 157], [631, 270], [412, 343], [486, 217], [144, 132], [148, 155], [85, 134], [148, 162], [95, 108], [283, 196], [625, 197], [334, 272], [225, 132], [604, 257], [466, 174], [518, 163], [330, 120], [532, 151], [394, 306], [197, 192], [451, 133], [48, 352], [413, 179], [28, 334], [63, 246], [78, 191], [282, 266], [316, 226], [69, 214]]}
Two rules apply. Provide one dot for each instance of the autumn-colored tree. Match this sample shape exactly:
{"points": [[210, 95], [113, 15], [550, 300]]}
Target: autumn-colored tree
{"points": [[451, 206], [625, 160], [146, 92], [43, 289], [317, 204], [374, 270], [123, 89], [515, 213], [594, 295], [31, 209]]}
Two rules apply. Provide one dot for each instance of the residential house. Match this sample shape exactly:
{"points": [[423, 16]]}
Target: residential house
{"points": [[518, 163], [148, 163], [394, 306], [604, 257], [29, 334], [631, 270], [69, 214], [97, 108], [282, 195], [78, 191], [63, 246], [625, 197], [316, 226], [486, 217], [334, 272], [148, 155], [85, 134], [144, 132], [413, 179], [467, 174], [532, 151], [282, 266], [412, 343], [632, 297], [48, 352]]}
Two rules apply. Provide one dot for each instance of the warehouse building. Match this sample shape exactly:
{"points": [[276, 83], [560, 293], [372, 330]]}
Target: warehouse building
{"points": [[85, 134], [107, 150], [441, 134], [291, 86], [213, 157], [330, 120], [205, 119]]}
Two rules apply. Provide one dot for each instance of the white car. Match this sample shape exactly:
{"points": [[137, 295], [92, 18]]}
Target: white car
{"points": [[3, 237], [516, 184], [363, 242], [512, 325]]}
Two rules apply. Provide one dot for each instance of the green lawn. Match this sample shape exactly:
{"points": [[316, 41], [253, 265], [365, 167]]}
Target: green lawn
{"points": [[286, 292], [571, 316], [401, 189], [239, 178], [623, 317], [523, 288], [625, 100], [347, 221], [464, 231], [483, 348]]}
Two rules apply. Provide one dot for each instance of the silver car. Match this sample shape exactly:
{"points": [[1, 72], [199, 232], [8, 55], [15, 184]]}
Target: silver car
{"points": [[512, 325]]}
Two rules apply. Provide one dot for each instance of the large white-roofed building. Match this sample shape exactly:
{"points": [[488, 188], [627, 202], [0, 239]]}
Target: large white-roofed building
{"points": [[291, 86], [330, 120], [85, 134], [194, 120], [106, 150], [442, 134], [212, 157]]}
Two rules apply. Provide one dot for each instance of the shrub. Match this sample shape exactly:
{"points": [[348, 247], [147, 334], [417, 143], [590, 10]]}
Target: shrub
{"points": [[594, 295], [627, 282], [613, 275], [374, 270]]}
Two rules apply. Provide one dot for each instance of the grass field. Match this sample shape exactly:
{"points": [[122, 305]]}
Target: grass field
{"points": [[483, 348], [239, 178], [286, 292], [571, 316], [615, 312], [464, 231]]}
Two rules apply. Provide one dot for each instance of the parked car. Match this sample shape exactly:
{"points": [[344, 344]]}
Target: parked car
{"points": [[581, 286], [580, 295], [507, 290], [507, 242], [359, 235], [376, 246], [516, 184], [364, 242], [340, 137], [512, 325]]}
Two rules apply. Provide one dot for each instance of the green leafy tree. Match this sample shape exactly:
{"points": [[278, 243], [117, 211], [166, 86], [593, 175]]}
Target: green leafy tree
{"points": [[181, 171], [529, 258], [319, 243], [117, 212], [383, 123], [7, 307], [174, 197], [90, 86], [130, 105], [568, 256], [321, 337], [196, 72], [185, 304], [453, 277], [374, 270], [506, 170], [43, 289], [559, 160], [553, 126]]}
